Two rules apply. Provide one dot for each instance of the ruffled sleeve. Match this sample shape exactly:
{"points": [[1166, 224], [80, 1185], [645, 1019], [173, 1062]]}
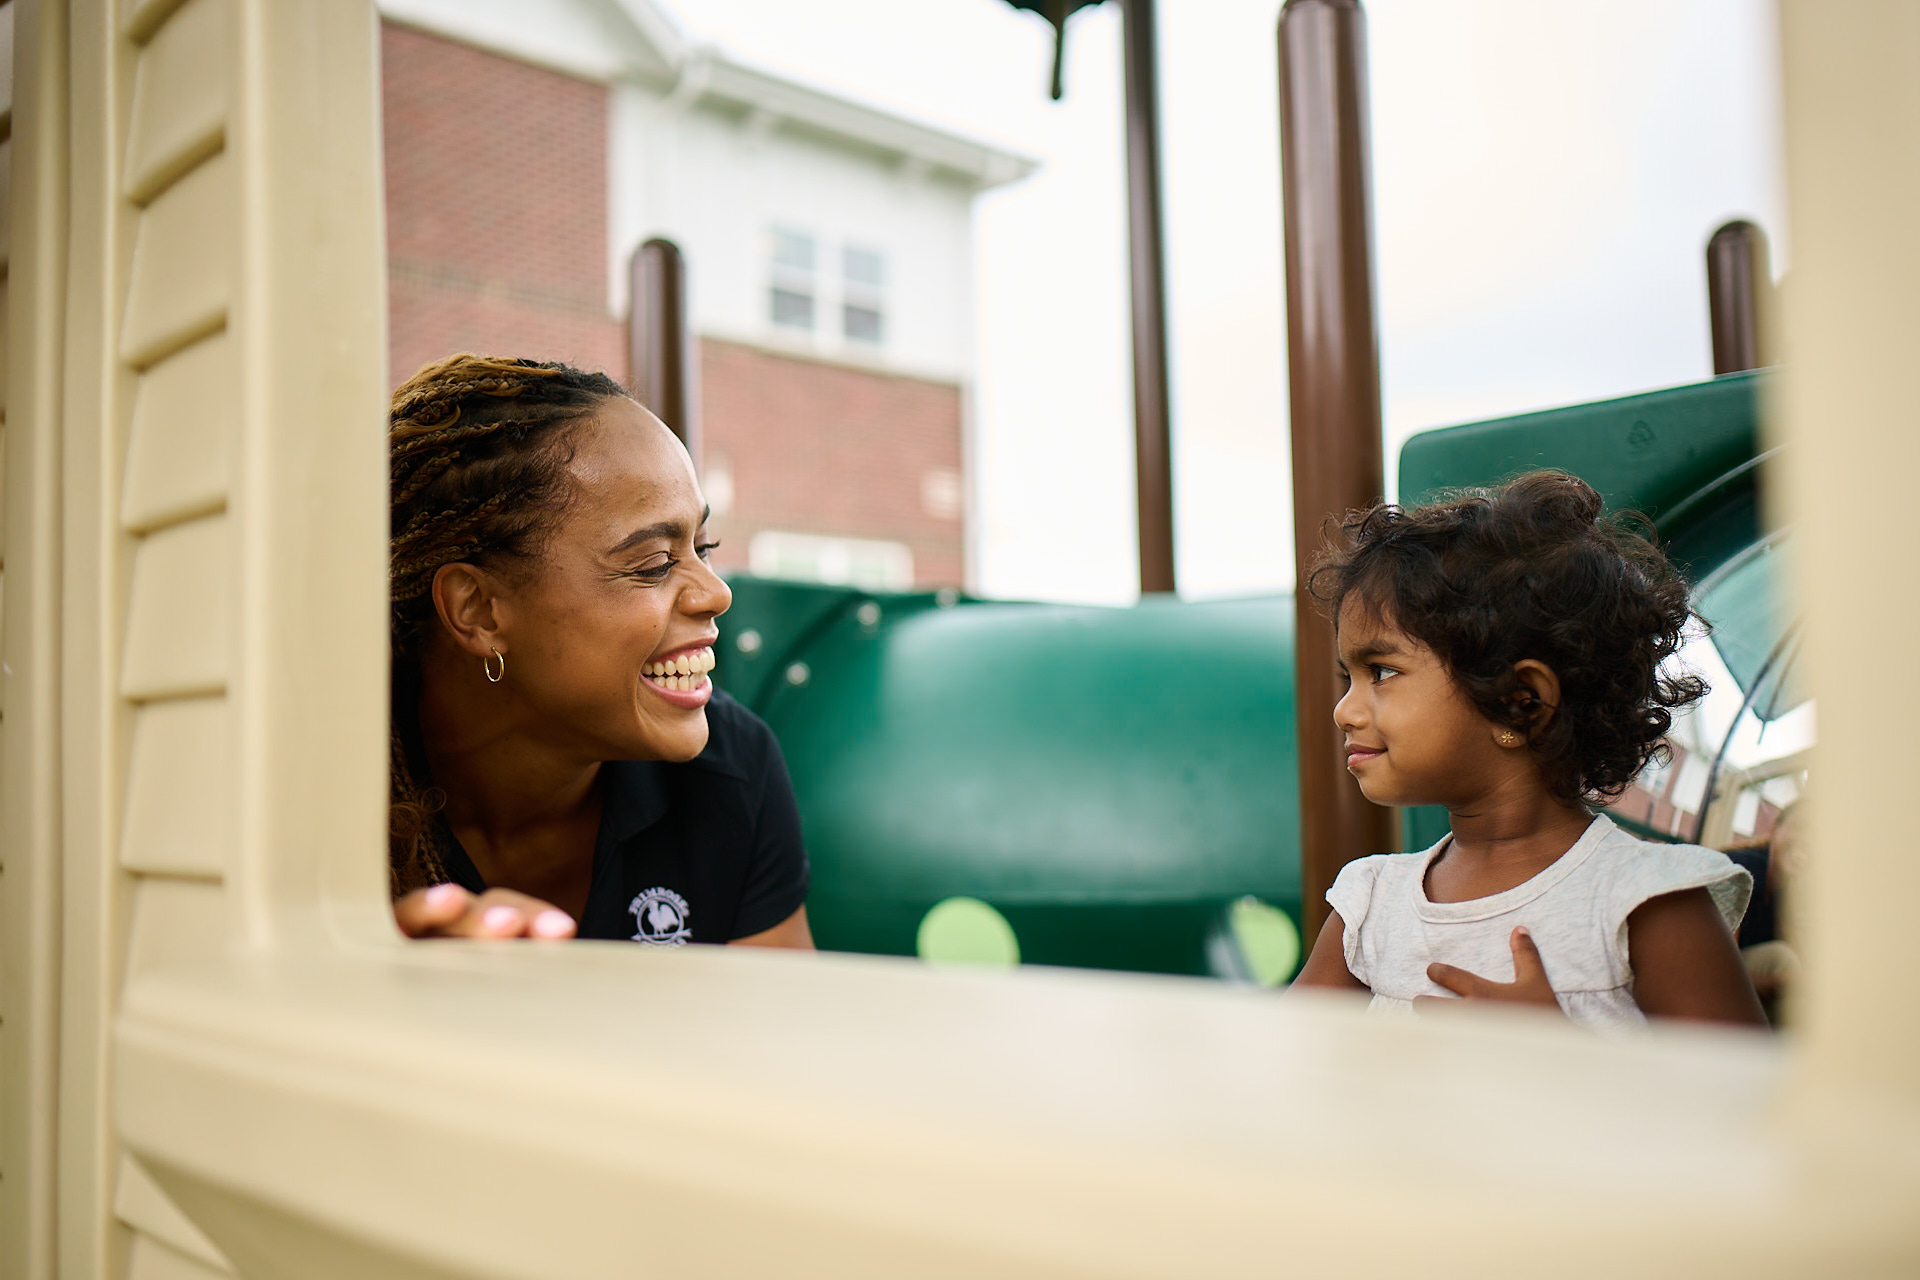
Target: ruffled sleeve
{"points": [[1671, 868], [1352, 896]]}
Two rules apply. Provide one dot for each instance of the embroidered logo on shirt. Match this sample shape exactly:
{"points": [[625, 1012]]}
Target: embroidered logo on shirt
{"points": [[660, 919]]}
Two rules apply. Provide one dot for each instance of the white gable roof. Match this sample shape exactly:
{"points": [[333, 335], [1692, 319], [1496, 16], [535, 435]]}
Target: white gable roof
{"points": [[639, 41]]}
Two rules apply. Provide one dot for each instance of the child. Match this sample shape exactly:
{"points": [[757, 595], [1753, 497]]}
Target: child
{"points": [[1502, 652]]}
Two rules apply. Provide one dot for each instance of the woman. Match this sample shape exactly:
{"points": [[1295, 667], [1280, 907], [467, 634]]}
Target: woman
{"points": [[561, 764]]}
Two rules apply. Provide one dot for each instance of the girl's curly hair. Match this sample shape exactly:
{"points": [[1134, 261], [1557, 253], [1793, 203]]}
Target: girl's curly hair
{"points": [[1532, 569]]}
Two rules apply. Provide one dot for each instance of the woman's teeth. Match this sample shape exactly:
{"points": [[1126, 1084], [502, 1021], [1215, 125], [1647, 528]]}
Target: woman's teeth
{"points": [[683, 673]]}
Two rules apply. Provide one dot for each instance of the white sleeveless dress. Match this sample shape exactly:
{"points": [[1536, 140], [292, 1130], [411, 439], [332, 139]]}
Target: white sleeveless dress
{"points": [[1576, 910]]}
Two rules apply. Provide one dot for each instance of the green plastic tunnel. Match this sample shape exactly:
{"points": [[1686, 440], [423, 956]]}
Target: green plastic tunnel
{"points": [[1113, 783]]}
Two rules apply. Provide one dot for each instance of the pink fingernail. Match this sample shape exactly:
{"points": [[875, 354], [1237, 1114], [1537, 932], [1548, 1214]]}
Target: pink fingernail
{"points": [[500, 919], [443, 895], [553, 924]]}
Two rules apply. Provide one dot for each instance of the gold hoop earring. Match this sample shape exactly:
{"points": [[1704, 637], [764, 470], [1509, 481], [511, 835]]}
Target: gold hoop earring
{"points": [[486, 665]]}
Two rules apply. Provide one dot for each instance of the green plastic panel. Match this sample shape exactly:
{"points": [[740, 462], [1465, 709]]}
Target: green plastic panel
{"points": [[1111, 781], [1752, 619], [1647, 453], [767, 628]]}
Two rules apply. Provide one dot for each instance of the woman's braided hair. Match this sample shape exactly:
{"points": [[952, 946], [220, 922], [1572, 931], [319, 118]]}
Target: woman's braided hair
{"points": [[478, 449]]}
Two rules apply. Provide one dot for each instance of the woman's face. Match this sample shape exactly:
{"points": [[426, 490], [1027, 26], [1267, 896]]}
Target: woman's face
{"points": [[610, 635]]}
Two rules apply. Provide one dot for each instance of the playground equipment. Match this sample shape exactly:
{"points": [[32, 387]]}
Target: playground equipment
{"points": [[1114, 781], [219, 1059], [1111, 781], [1121, 785]]}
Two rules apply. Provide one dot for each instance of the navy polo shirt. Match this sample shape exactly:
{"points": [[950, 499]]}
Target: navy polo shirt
{"points": [[707, 850], [1760, 923]]}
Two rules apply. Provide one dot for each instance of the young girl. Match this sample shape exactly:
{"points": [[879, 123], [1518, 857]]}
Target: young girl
{"points": [[1502, 653]]}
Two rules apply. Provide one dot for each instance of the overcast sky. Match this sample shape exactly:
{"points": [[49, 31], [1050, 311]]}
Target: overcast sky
{"points": [[1546, 175]]}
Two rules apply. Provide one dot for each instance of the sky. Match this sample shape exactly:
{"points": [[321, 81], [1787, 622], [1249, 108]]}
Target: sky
{"points": [[1546, 174]]}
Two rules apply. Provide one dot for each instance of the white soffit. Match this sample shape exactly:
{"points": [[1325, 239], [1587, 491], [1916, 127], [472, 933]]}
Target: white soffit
{"points": [[869, 127], [656, 26], [636, 41], [591, 39]]}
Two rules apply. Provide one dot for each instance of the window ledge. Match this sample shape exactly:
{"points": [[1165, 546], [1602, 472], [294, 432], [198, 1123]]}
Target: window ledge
{"points": [[518, 1110]]}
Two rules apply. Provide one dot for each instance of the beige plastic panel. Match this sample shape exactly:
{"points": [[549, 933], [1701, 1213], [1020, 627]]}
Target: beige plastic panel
{"points": [[6, 200], [152, 1260], [180, 282], [5, 286], [179, 115], [180, 448], [175, 922], [144, 1207], [6, 67], [1853, 147], [140, 18], [177, 623], [180, 787], [833, 1116], [30, 926], [6, 242]]}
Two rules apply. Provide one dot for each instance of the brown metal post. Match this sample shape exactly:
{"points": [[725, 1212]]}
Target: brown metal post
{"points": [[659, 349], [1152, 431], [1739, 279], [1333, 372]]}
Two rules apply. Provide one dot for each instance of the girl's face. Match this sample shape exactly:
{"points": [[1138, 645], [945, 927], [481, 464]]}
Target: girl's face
{"points": [[1412, 737], [621, 594]]}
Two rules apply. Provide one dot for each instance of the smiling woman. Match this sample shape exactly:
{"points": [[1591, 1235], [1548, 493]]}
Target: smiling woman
{"points": [[560, 762]]}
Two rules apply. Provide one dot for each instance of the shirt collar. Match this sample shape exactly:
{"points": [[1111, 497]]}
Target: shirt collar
{"points": [[635, 797]]}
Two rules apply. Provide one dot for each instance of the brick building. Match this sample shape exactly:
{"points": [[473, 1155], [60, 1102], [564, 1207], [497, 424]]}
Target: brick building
{"points": [[531, 145], [496, 207]]}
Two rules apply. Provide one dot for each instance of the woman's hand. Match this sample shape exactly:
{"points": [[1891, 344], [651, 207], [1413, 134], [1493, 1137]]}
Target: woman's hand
{"points": [[448, 911], [1529, 985]]}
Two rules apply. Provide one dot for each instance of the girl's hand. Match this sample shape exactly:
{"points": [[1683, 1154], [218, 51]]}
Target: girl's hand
{"points": [[1529, 985], [448, 911]]}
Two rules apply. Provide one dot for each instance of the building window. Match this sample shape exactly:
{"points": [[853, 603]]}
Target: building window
{"points": [[863, 276], [805, 557], [942, 495], [792, 292], [791, 309]]}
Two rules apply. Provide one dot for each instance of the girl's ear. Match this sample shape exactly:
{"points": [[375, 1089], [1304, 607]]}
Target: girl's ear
{"points": [[1539, 694], [467, 599]]}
